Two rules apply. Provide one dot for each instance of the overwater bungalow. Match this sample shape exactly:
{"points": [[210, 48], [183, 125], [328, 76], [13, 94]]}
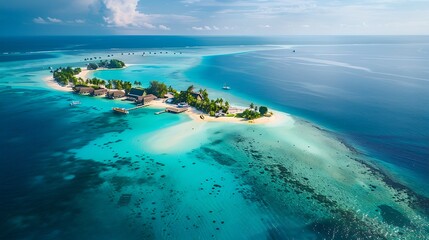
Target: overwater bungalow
{"points": [[115, 94], [99, 92]]}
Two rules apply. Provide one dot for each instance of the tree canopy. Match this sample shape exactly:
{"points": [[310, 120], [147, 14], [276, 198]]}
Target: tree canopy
{"points": [[158, 89], [263, 110], [205, 104], [66, 75], [113, 63]]}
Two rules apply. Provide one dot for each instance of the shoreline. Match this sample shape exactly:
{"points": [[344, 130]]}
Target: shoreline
{"points": [[50, 82], [192, 112]]}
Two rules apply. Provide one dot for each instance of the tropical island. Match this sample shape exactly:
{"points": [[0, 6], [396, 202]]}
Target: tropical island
{"points": [[157, 94]]}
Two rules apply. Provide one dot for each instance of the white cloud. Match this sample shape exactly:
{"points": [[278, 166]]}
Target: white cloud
{"points": [[39, 20], [80, 21], [124, 13], [190, 1], [265, 26], [210, 28], [197, 28], [163, 27], [54, 20]]}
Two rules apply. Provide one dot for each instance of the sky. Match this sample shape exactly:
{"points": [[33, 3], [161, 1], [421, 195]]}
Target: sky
{"points": [[214, 17]]}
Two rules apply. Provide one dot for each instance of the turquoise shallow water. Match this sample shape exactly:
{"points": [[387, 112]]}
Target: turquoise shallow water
{"points": [[87, 173]]}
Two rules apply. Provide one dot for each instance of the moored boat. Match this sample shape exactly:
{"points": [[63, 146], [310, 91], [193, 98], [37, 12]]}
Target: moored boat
{"points": [[74, 103], [120, 110]]}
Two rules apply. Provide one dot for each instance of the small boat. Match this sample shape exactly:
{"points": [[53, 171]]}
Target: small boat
{"points": [[226, 87], [74, 103], [202, 116], [120, 110]]}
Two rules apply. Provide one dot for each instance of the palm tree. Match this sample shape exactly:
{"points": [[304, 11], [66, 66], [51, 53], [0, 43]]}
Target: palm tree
{"points": [[205, 94], [190, 88], [252, 105]]}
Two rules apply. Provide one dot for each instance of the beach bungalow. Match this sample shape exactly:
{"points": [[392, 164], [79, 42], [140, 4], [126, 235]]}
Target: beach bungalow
{"points": [[99, 92], [84, 90], [115, 94], [135, 94], [197, 96], [146, 99]]}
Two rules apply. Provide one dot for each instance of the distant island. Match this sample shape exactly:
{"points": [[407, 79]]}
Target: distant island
{"points": [[167, 96]]}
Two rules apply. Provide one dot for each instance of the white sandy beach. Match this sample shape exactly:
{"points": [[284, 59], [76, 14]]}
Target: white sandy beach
{"points": [[49, 80], [194, 114]]}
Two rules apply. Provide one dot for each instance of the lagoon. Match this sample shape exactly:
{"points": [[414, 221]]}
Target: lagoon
{"points": [[296, 179]]}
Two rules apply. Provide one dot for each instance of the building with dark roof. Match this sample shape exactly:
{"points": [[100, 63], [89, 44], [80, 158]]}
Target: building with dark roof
{"points": [[197, 96], [146, 99], [84, 90], [99, 92], [115, 94], [135, 94]]}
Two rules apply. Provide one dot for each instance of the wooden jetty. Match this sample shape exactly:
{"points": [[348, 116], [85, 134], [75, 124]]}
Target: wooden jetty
{"points": [[137, 107], [175, 110], [126, 111]]}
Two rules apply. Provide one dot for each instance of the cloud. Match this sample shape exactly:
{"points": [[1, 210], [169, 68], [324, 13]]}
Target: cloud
{"points": [[54, 20], [190, 1], [265, 26], [197, 28], [163, 27], [80, 21], [40, 20], [124, 13], [210, 28]]}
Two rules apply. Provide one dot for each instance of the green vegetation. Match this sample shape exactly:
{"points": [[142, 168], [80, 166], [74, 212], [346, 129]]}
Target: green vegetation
{"points": [[249, 114], [92, 66], [157, 88], [120, 85], [66, 75], [263, 110], [201, 101], [114, 63], [253, 113]]}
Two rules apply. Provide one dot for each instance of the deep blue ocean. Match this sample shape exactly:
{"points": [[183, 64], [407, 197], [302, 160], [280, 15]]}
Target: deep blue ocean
{"points": [[379, 99], [372, 92]]}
